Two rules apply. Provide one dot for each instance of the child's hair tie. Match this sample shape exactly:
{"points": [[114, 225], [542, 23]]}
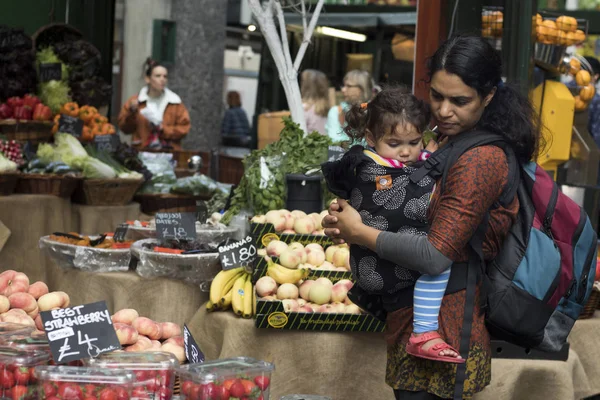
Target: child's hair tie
{"points": [[364, 105]]}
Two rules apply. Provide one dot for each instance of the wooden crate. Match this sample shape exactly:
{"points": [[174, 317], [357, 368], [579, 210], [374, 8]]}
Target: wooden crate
{"points": [[270, 126]]}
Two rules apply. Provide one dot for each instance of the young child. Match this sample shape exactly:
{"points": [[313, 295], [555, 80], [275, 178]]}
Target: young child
{"points": [[376, 181]]}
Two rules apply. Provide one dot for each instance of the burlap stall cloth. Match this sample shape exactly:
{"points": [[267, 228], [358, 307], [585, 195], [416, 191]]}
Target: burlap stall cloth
{"points": [[343, 366], [160, 299], [584, 339], [30, 217], [92, 220]]}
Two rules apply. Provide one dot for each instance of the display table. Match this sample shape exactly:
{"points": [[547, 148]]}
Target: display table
{"points": [[327, 364], [91, 220], [159, 299], [344, 365], [584, 339], [29, 217]]}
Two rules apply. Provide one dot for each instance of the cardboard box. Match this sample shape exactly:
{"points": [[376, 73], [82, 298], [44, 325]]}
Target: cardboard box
{"points": [[264, 233]]}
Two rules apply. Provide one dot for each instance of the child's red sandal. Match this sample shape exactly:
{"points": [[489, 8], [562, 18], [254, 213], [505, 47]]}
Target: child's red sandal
{"points": [[414, 347]]}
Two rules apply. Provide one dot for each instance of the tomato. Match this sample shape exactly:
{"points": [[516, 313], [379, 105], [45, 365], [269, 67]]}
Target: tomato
{"points": [[227, 383], [237, 389], [7, 379], [262, 382], [18, 392], [70, 391], [186, 387], [48, 389], [222, 393], [122, 393], [107, 394]]}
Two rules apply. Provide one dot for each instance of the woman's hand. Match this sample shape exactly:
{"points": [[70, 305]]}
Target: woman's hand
{"points": [[343, 224], [133, 107]]}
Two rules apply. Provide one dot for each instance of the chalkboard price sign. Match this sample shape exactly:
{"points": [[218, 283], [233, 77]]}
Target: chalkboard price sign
{"points": [[108, 143], [237, 254], [80, 332], [50, 72], [192, 351], [70, 125], [179, 226]]}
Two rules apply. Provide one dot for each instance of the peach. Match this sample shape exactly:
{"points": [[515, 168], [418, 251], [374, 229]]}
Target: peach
{"points": [[53, 300], [326, 308], [39, 324], [345, 282], [265, 286], [290, 259], [301, 302], [289, 222], [17, 318], [125, 316], [298, 214], [17, 311], [259, 219], [304, 225], [314, 307], [272, 215], [143, 343], [324, 281], [338, 307], [315, 257], [24, 301], [276, 247], [327, 266], [38, 289], [320, 293], [66, 299], [35, 312], [169, 329], [126, 333], [289, 305], [352, 309], [329, 252], [261, 252], [313, 247], [305, 309], [147, 327], [341, 258], [4, 304], [15, 283], [174, 349], [287, 291], [156, 345], [268, 298], [339, 293], [317, 220], [289, 232], [178, 340], [305, 288], [296, 246]]}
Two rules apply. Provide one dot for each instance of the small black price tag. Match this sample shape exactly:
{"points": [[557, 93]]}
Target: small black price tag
{"points": [[50, 72], [120, 233], [335, 153], [192, 350], [80, 332], [180, 226], [70, 125], [237, 254], [108, 143]]}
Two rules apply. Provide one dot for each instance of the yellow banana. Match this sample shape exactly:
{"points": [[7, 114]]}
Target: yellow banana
{"points": [[237, 297], [210, 306], [248, 297], [218, 284], [285, 275], [225, 301]]}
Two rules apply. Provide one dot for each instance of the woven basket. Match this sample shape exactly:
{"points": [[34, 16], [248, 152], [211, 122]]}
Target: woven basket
{"points": [[8, 183], [106, 192], [153, 203], [591, 305], [55, 185], [26, 131]]}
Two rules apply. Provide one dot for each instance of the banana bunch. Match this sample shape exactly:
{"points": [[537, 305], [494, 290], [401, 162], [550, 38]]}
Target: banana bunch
{"points": [[282, 274], [232, 289]]}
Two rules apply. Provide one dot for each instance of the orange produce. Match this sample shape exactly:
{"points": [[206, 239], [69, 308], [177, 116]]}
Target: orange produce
{"points": [[99, 119], [587, 92], [574, 66], [538, 19], [579, 36], [86, 134], [566, 23], [580, 105], [497, 27], [87, 113], [71, 109], [583, 78], [547, 32]]}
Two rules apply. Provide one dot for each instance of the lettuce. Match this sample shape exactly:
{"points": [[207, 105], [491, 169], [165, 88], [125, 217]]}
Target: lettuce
{"points": [[96, 169]]}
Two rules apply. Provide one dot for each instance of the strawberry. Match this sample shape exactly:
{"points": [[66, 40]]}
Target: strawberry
{"points": [[107, 394], [22, 376], [262, 382], [186, 387], [7, 379], [237, 389], [18, 392]]}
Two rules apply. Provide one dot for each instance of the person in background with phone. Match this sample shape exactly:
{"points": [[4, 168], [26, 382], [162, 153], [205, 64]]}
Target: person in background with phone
{"points": [[156, 116]]}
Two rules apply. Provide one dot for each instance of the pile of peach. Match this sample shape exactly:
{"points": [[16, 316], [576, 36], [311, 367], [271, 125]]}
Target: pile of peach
{"points": [[21, 302], [143, 334]]}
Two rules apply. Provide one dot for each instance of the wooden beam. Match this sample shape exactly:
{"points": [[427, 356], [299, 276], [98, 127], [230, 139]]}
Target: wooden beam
{"points": [[431, 32]]}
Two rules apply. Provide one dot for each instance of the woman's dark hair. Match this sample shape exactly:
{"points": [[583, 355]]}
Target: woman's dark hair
{"points": [[595, 64], [510, 113], [390, 107], [149, 66]]}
